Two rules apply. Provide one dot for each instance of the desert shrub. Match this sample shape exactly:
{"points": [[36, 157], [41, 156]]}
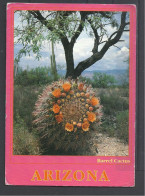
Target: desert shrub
{"points": [[24, 101], [124, 79], [24, 142], [115, 112], [109, 125], [86, 80], [122, 125], [37, 76], [102, 80], [116, 125], [113, 102], [124, 92]]}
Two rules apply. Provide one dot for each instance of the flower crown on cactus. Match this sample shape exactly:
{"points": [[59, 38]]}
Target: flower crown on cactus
{"points": [[70, 104]]}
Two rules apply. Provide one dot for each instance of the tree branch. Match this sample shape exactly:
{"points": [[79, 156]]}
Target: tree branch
{"points": [[98, 55], [127, 23], [43, 20], [96, 41], [79, 29], [104, 14], [84, 15], [117, 47]]}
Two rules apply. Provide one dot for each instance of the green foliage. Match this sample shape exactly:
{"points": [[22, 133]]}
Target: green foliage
{"points": [[113, 102], [24, 142], [24, 100], [116, 125], [37, 76], [115, 113], [122, 125], [109, 125], [102, 80], [124, 78], [85, 79]]}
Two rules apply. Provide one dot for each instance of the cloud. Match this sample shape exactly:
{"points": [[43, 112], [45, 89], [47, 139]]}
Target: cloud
{"points": [[60, 59], [82, 49], [29, 58], [45, 59], [113, 59]]}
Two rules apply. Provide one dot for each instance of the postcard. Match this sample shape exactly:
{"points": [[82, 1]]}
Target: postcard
{"points": [[70, 94]]}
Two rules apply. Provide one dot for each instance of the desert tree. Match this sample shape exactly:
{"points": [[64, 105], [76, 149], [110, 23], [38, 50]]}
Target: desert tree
{"points": [[66, 27]]}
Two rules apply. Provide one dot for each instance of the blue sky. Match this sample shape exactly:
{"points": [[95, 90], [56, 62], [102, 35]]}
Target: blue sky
{"points": [[114, 58]]}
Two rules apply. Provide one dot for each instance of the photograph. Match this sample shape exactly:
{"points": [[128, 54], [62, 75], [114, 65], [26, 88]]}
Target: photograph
{"points": [[71, 83]]}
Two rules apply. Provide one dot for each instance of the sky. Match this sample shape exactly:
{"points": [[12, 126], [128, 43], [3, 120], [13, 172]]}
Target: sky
{"points": [[115, 57]]}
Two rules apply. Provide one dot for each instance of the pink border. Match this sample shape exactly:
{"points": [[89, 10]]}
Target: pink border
{"points": [[120, 174]]}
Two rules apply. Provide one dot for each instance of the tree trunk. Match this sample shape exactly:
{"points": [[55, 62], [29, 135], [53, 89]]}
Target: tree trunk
{"points": [[69, 61]]}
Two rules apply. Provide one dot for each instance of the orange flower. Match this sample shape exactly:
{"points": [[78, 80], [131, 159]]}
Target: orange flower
{"points": [[85, 126], [57, 93], [66, 87], [69, 127], [94, 101], [56, 108], [81, 86], [91, 116], [59, 118]]}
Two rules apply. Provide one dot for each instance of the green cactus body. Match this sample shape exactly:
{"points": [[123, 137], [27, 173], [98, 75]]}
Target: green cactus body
{"points": [[66, 114]]}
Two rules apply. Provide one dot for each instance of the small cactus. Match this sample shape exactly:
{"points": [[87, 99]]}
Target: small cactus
{"points": [[65, 114]]}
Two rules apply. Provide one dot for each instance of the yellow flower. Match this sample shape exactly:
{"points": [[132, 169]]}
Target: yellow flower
{"points": [[78, 94], [66, 87], [85, 126], [59, 118], [94, 101], [68, 97], [91, 116], [56, 108], [57, 93], [69, 127]]}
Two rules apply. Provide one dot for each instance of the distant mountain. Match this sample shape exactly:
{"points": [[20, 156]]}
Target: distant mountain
{"points": [[119, 74], [114, 72], [89, 74]]}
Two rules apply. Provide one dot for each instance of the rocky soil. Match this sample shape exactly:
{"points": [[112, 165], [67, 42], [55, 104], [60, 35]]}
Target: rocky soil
{"points": [[103, 145]]}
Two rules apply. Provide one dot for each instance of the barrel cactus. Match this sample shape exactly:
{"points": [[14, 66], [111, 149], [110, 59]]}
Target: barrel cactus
{"points": [[66, 114]]}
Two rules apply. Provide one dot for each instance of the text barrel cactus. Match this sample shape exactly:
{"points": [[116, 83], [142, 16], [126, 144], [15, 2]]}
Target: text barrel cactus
{"points": [[66, 114]]}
